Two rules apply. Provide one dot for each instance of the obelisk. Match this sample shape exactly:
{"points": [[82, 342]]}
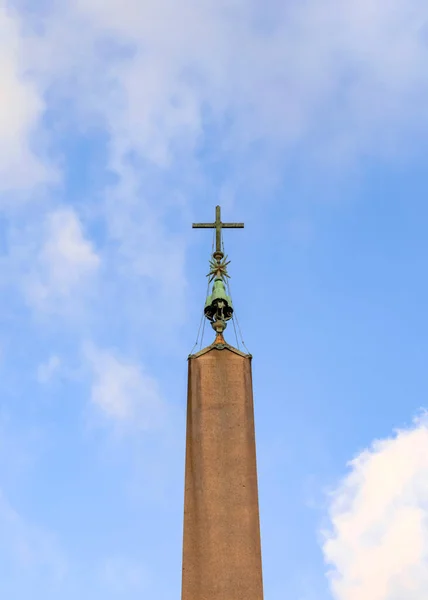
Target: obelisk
{"points": [[221, 541]]}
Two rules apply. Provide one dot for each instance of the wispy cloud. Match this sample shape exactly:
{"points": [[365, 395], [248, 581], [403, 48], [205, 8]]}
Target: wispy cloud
{"points": [[182, 66], [28, 548], [160, 81], [122, 391], [23, 162], [47, 370], [378, 543], [64, 265], [167, 83]]}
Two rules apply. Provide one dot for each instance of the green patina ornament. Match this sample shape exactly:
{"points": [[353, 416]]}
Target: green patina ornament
{"points": [[218, 306]]}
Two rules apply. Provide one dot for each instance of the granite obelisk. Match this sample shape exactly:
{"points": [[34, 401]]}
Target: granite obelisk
{"points": [[221, 541]]}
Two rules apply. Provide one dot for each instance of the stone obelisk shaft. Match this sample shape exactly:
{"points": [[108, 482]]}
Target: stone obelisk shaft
{"points": [[221, 547]]}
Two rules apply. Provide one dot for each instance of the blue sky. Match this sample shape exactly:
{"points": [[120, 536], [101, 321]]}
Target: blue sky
{"points": [[120, 124]]}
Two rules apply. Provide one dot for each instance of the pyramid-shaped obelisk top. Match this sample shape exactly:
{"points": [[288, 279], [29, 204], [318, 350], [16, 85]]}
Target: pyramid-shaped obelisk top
{"points": [[218, 307]]}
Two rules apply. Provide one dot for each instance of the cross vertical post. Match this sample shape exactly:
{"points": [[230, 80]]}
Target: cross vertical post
{"points": [[218, 226], [218, 229]]}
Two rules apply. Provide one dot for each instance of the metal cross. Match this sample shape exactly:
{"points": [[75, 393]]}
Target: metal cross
{"points": [[218, 226]]}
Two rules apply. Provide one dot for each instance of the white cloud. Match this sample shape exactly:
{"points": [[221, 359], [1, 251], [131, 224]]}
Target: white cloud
{"points": [[21, 109], [343, 75], [378, 543], [122, 391], [48, 369], [63, 265], [340, 79]]}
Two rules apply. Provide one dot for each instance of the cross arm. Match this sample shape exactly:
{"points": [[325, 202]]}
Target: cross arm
{"points": [[213, 225]]}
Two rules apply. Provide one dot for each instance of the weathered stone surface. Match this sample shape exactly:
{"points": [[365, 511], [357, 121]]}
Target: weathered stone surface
{"points": [[221, 546]]}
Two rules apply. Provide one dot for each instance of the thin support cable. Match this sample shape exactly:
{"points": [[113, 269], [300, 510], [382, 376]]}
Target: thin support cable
{"points": [[199, 330], [202, 336], [240, 333], [202, 322], [235, 316], [208, 289], [236, 335]]}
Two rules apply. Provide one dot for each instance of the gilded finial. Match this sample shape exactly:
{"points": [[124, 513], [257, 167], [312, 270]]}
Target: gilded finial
{"points": [[218, 267]]}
